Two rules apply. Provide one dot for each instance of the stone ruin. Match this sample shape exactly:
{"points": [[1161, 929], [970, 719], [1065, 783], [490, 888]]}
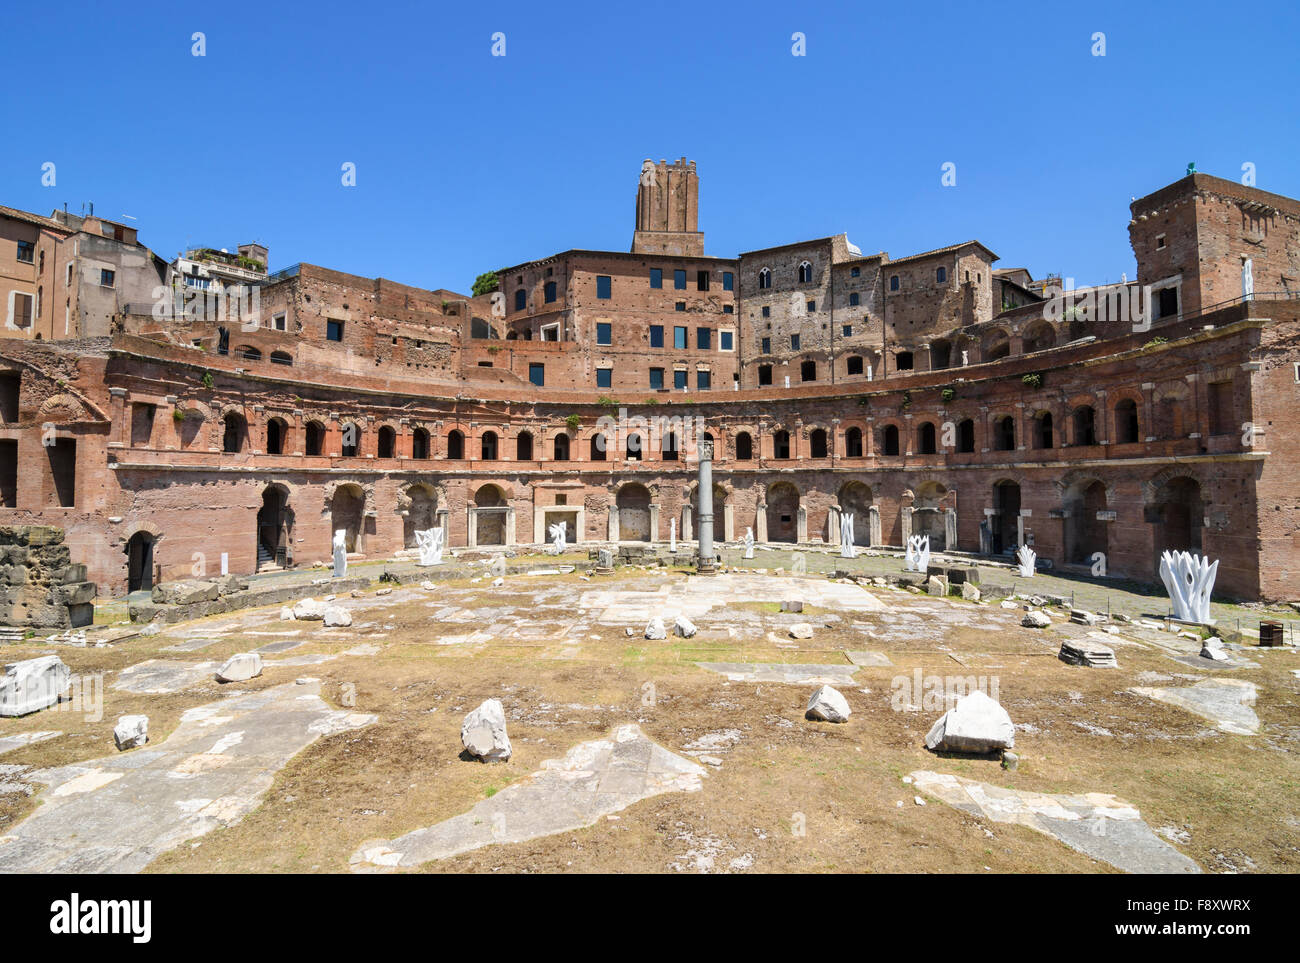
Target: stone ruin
{"points": [[40, 586]]}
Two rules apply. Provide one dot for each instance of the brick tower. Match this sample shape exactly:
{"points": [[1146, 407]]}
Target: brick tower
{"points": [[668, 209]]}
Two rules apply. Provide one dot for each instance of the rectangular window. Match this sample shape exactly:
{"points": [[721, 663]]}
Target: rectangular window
{"points": [[679, 280], [703, 380], [550, 291], [657, 378], [63, 468], [521, 299], [22, 310], [728, 281], [537, 374], [854, 299], [278, 322], [728, 309], [106, 278], [767, 346], [702, 280], [604, 377], [812, 306], [680, 305], [656, 277], [794, 342], [26, 251], [847, 331], [854, 272], [704, 338], [604, 285], [656, 335], [726, 341], [679, 379], [333, 330], [1222, 420], [767, 312], [679, 337], [604, 332]]}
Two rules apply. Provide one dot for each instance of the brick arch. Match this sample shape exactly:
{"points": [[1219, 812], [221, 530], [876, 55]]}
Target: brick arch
{"points": [[1152, 486], [60, 407], [331, 489], [1078, 477]]}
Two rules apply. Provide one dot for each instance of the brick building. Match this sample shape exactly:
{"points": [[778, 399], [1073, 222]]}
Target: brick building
{"points": [[926, 394]]}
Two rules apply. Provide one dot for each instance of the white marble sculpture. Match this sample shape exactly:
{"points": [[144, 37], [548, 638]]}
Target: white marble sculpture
{"points": [[846, 537], [749, 543], [1189, 580], [429, 543], [672, 535], [340, 553], [557, 532], [917, 558], [1026, 557]]}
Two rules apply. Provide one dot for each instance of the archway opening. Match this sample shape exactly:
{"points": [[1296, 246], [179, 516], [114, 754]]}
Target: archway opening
{"points": [[783, 513], [139, 562], [273, 524], [633, 504]]}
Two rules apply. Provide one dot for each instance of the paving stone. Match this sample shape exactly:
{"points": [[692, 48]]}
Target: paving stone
{"points": [[1225, 702], [861, 657], [163, 676], [783, 672]]}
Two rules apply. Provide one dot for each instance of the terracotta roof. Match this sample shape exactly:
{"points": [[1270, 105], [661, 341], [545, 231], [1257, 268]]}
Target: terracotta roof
{"points": [[30, 218]]}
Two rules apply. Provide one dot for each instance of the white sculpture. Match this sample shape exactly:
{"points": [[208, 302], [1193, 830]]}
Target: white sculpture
{"points": [[558, 531], [1026, 557], [340, 553], [1189, 580], [749, 543], [917, 558], [846, 537], [672, 535], [429, 543]]}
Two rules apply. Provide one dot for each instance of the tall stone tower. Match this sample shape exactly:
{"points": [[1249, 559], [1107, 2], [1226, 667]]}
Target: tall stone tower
{"points": [[668, 209]]}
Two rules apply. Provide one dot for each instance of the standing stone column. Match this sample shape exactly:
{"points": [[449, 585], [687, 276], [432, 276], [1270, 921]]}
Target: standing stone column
{"points": [[705, 563]]}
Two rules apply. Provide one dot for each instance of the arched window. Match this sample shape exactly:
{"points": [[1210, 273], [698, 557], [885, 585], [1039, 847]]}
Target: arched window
{"points": [[455, 445], [805, 273], [744, 446], [598, 444], [1004, 434], [248, 353], [853, 443], [808, 371], [925, 439], [817, 444], [282, 357], [351, 437], [561, 447], [764, 279], [488, 446], [781, 444], [966, 436], [420, 443], [940, 354], [893, 282], [633, 446], [940, 275], [1085, 426], [670, 451], [315, 438], [276, 431], [1127, 429], [236, 432], [524, 446], [387, 442], [891, 440]]}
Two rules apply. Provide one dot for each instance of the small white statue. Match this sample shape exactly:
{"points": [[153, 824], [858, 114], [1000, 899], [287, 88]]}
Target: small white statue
{"points": [[672, 535], [917, 558], [1026, 557], [846, 537], [749, 543], [557, 531], [429, 543], [1189, 580], [340, 553]]}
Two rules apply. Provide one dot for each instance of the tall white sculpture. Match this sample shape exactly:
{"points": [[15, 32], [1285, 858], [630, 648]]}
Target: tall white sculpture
{"points": [[557, 533], [1026, 557], [917, 558], [749, 543], [340, 553], [672, 535], [1189, 580], [846, 537], [429, 543]]}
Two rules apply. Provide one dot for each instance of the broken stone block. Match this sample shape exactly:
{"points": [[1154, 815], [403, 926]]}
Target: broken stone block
{"points": [[1036, 619], [936, 585], [498, 582], [970, 592], [828, 705], [286, 614], [684, 627], [655, 629], [792, 605], [977, 724], [309, 610], [483, 733], [131, 732], [1087, 652], [188, 592], [336, 615], [801, 630], [230, 584], [1213, 649], [240, 667], [1083, 617], [33, 684]]}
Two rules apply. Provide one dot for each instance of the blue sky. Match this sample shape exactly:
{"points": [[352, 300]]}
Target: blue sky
{"points": [[467, 162]]}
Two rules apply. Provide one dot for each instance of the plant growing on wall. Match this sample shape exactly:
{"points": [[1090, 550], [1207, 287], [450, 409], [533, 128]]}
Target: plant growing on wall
{"points": [[947, 394], [907, 399], [486, 283], [1155, 342], [1034, 380], [607, 402], [178, 414], [573, 421], [207, 379]]}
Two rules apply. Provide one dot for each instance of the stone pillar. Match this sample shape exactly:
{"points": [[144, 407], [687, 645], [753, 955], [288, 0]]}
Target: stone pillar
{"points": [[654, 522], [471, 526], [443, 516], [704, 562], [728, 522], [510, 526], [760, 523], [873, 517], [833, 525], [906, 513], [801, 523], [612, 528], [687, 518], [119, 418], [950, 529]]}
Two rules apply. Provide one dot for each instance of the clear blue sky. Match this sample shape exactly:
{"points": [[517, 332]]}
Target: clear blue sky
{"points": [[467, 162]]}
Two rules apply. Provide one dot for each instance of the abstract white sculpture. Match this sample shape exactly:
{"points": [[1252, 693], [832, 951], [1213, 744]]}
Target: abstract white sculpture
{"points": [[1026, 557], [917, 558], [429, 543], [340, 553], [846, 537], [749, 543], [672, 535], [1189, 580], [557, 532]]}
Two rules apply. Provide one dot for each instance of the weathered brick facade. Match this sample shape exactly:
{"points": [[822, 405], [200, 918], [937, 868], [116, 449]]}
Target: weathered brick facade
{"points": [[915, 404]]}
